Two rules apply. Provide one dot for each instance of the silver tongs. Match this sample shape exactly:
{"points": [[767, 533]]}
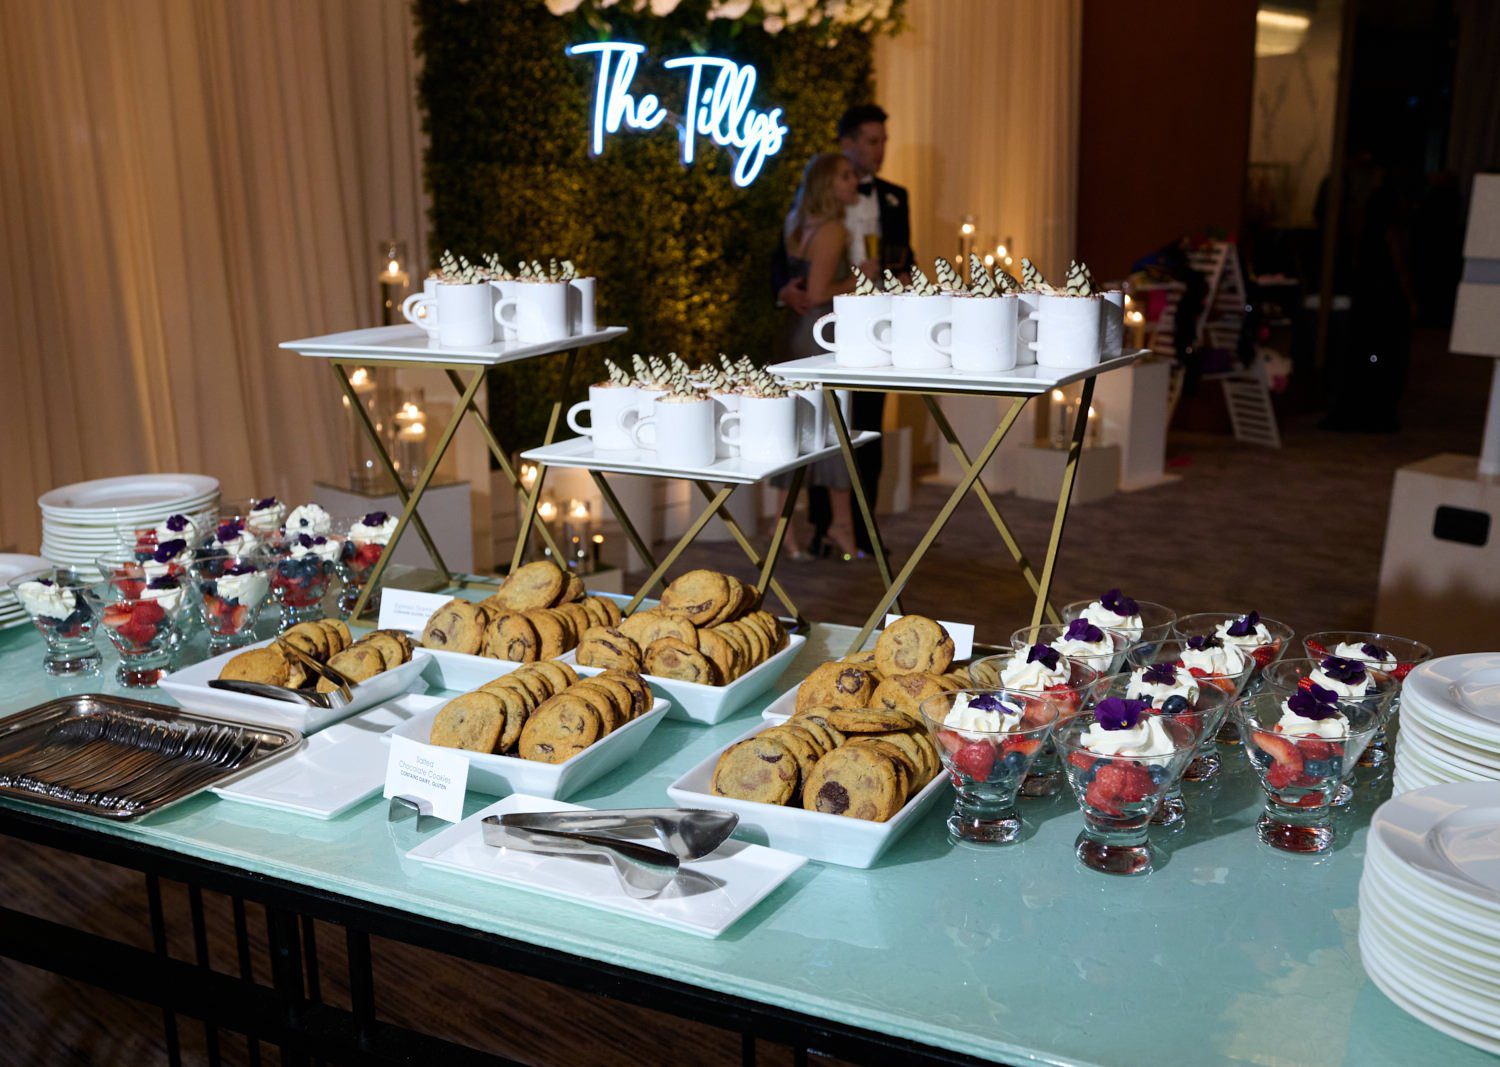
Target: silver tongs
{"points": [[687, 833], [643, 871], [338, 698]]}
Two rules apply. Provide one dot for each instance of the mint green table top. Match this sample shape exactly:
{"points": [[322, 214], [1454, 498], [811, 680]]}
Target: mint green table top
{"points": [[1230, 952]]}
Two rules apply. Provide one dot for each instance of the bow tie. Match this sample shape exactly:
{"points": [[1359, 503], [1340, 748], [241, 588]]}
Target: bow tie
{"points": [[866, 188]]}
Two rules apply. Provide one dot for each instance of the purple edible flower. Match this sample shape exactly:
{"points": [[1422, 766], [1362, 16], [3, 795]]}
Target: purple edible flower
{"points": [[1117, 713], [1200, 642], [1314, 703], [240, 568], [1046, 655], [228, 531], [163, 581], [1245, 627], [1119, 603], [1376, 653], [1081, 629], [1161, 674], [374, 518], [46, 581], [262, 505], [169, 550], [1348, 671], [177, 523], [305, 541], [990, 702]]}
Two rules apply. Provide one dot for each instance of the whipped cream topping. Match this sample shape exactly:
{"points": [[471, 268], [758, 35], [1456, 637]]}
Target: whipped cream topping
{"points": [[249, 587], [176, 528], [1146, 738], [232, 537], [1345, 677], [166, 590], [1084, 638], [265, 515], [375, 528], [1033, 671], [46, 599], [1213, 657], [1365, 653], [984, 714], [1160, 682], [1295, 725], [1100, 615], [1246, 632], [326, 548], [309, 519]]}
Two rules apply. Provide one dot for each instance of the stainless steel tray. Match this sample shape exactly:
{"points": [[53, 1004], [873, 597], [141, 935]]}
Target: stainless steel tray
{"points": [[123, 758]]}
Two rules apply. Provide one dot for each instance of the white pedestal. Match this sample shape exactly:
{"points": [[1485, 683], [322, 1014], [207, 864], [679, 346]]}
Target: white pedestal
{"points": [[1039, 473], [974, 418], [1133, 404], [1441, 592], [445, 509]]}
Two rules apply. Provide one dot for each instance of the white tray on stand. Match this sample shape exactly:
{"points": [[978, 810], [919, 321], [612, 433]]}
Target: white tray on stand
{"points": [[579, 453], [411, 344], [1021, 381]]}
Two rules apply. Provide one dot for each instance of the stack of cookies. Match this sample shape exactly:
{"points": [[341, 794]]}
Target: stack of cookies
{"points": [[856, 744], [706, 629], [538, 613], [327, 641], [541, 711]]}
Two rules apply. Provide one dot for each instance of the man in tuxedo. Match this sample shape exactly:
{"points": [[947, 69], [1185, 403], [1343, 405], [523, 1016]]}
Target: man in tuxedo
{"points": [[879, 226]]}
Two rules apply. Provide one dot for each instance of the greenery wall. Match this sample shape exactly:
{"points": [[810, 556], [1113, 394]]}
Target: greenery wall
{"points": [[682, 254]]}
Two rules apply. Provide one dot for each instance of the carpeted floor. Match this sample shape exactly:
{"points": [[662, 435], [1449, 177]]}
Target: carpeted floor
{"points": [[1295, 534]]}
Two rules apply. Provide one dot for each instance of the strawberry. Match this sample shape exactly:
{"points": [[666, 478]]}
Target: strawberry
{"points": [[1082, 760], [1117, 783], [138, 632], [976, 759], [1317, 650], [147, 612], [1288, 760], [1311, 800], [1026, 746], [950, 740], [116, 615], [367, 555], [1312, 750], [1265, 653]]}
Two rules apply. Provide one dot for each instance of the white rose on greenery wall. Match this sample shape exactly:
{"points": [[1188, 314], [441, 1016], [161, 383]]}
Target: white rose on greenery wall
{"points": [[563, 7], [729, 9], [664, 7]]}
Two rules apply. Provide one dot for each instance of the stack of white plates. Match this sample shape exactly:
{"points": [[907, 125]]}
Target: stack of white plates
{"points": [[80, 522], [13, 566], [1429, 908], [1450, 722]]}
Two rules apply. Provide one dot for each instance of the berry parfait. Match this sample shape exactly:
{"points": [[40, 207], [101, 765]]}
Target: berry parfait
{"points": [[1396, 656], [173, 539], [55, 599], [1303, 739], [140, 604], [1081, 641], [1168, 689], [1143, 622], [1064, 685], [263, 515], [229, 537], [988, 740], [362, 550], [1263, 641], [1183, 669], [302, 569], [1122, 761], [231, 590], [1348, 680]]}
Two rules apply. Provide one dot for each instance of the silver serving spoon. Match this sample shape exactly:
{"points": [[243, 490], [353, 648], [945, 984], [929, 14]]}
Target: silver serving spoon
{"points": [[643, 871], [687, 833], [308, 697]]}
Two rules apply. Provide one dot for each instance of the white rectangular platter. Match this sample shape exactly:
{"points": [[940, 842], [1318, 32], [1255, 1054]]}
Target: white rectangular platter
{"points": [[718, 889], [190, 688], [407, 343], [834, 839], [338, 767], [501, 775], [1022, 381], [579, 453]]}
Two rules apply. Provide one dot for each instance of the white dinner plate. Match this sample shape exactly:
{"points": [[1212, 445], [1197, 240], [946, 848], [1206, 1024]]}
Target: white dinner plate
{"points": [[1465, 688], [1449, 835], [67, 521], [1435, 915], [13, 565], [1431, 734], [1464, 997], [815, 834], [338, 767], [1440, 998], [1444, 756], [1418, 763], [190, 687], [129, 494], [1389, 913], [1449, 726], [723, 887], [500, 775], [1392, 988]]}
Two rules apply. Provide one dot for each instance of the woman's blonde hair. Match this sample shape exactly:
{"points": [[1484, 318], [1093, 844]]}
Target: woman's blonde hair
{"points": [[816, 201]]}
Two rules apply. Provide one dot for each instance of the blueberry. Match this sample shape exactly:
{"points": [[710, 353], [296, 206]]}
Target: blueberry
{"points": [[1014, 762], [1316, 767], [1088, 775], [1263, 758], [1174, 705], [1335, 765], [1157, 774]]}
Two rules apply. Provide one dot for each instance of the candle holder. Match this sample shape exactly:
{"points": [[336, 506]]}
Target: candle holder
{"points": [[365, 475], [410, 425], [393, 279]]}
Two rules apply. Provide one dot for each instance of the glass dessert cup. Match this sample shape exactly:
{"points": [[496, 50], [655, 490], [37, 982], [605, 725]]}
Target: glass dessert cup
{"points": [[356, 562], [1287, 675], [263, 516], [987, 767], [1207, 623], [1206, 763], [1107, 664], [141, 612], [1084, 688], [230, 591], [1408, 655], [300, 582], [1156, 621], [1118, 795], [1203, 718], [61, 612]]}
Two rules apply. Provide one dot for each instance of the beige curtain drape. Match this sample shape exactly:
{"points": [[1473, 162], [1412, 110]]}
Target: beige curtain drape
{"points": [[983, 99], [185, 185]]}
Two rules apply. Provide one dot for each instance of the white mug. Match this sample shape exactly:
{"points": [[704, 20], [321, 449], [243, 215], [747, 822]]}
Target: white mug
{"points": [[982, 334], [1067, 332], [1112, 324], [581, 306], [912, 318], [605, 405], [724, 403], [812, 419], [1026, 325], [538, 312], [464, 314], [682, 432], [645, 401], [503, 289], [424, 319], [764, 428], [857, 323]]}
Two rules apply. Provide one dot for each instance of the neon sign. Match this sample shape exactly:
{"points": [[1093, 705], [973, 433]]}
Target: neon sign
{"points": [[717, 106]]}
